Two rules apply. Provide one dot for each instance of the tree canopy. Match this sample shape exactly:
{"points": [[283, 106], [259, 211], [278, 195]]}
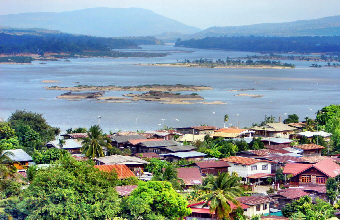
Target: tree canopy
{"points": [[155, 200]]}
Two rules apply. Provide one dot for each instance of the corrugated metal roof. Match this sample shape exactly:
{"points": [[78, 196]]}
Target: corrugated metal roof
{"points": [[119, 159], [254, 200], [190, 176], [292, 193], [212, 164], [18, 155], [125, 190], [309, 147], [161, 143], [69, 144], [180, 148], [125, 138], [274, 127], [188, 154]]}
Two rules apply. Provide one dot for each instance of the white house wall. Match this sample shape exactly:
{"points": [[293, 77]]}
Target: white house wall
{"points": [[245, 170]]}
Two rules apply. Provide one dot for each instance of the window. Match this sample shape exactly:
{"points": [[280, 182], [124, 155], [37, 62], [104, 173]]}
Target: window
{"points": [[258, 208], [254, 167], [265, 167], [265, 206], [306, 179], [320, 180]]}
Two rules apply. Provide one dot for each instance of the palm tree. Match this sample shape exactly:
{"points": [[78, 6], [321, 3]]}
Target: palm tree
{"points": [[221, 191], [226, 118], [94, 143], [5, 163]]}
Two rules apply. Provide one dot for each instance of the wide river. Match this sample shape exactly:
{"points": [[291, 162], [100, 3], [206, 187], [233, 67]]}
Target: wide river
{"points": [[302, 91]]}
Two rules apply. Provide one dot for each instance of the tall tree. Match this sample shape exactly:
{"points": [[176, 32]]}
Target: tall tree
{"points": [[226, 118], [95, 142], [222, 190]]}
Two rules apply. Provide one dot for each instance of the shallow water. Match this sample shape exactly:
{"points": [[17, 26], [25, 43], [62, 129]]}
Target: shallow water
{"points": [[302, 91]]}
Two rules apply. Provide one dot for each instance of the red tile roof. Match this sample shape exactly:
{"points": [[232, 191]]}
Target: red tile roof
{"points": [[254, 200], [294, 168], [212, 164], [125, 190], [121, 169], [190, 176], [241, 160], [77, 135], [327, 166], [309, 147], [137, 141], [292, 193]]}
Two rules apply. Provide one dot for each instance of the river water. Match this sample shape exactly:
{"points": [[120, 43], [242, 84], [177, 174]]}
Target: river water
{"points": [[302, 91]]}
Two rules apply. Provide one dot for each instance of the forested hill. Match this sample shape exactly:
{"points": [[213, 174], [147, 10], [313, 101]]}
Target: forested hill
{"points": [[266, 44], [102, 22], [59, 42], [328, 26]]}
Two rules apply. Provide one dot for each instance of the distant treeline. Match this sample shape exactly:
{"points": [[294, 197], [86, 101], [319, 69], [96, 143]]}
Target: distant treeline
{"points": [[27, 43], [144, 40], [267, 44]]}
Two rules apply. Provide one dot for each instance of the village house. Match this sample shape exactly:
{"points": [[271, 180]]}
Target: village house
{"points": [[135, 164], [74, 135], [229, 133], [286, 196], [158, 146], [121, 141], [165, 134], [311, 134], [197, 130], [257, 205], [190, 175], [122, 170], [212, 167], [273, 130], [312, 174], [191, 138], [189, 156], [246, 167], [20, 159], [198, 212], [73, 146], [310, 149]]}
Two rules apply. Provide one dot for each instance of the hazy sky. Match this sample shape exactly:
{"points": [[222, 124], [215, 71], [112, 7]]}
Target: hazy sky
{"points": [[198, 13]]}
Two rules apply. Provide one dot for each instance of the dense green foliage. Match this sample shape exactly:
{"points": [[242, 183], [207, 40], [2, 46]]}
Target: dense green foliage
{"points": [[155, 200], [58, 43], [218, 148], [326, 114], [67, 190], [18, 59], [267, 44], [291, 119], [49, 155], [31, 128], [303, 208]]}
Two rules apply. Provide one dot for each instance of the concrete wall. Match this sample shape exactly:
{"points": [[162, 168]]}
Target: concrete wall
{"points": [[251, 211]]}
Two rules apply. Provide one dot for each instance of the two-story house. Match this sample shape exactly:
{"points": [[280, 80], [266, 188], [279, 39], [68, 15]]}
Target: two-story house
{"points": [[249, 168], [310, 150]]}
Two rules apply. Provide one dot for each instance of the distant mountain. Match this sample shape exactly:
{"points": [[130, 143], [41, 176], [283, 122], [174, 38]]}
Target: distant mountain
{"points": [[328, 26], [103, 22]]}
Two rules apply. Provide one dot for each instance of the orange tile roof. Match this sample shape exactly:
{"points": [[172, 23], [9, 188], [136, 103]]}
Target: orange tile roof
{"points": [[137, 141], [241, 160], [260, 175], [121, 169], [230, 130], [309, 146]]}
